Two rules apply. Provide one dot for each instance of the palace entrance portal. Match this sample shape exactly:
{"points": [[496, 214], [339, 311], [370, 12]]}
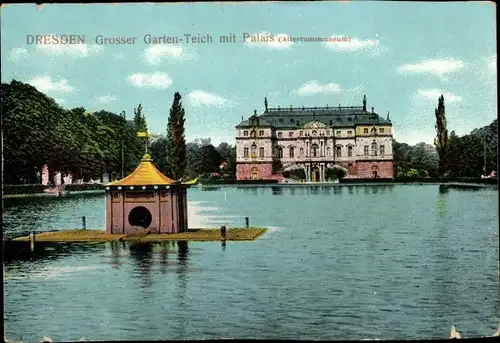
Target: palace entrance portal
{"points": [[315, 174]]}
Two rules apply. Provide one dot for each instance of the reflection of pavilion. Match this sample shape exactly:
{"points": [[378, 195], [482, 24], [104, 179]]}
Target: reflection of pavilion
{"points": [[146, 199]]}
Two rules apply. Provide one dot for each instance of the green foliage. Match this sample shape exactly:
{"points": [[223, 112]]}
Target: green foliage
{"points": [[37, 131], [176, 142], [441, 142], [335, 173], [296, 174], [421, 157]]}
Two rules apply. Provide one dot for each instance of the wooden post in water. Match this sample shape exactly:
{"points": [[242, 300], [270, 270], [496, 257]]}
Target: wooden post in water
{"points": [[84, 223], [32, 241], [223, 233], [247, 224]]}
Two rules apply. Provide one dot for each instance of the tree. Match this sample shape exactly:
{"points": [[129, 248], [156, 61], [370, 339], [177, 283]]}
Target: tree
{"points": [[140, 120], [441, 142], [176, 142]]}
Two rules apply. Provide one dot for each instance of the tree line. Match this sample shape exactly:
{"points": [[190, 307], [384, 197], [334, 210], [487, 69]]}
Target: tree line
{"points": [[37, 131]]}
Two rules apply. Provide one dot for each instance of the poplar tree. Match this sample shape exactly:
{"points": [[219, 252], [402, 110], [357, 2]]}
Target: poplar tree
{"points": [[442, 141], [140, 120], [176, 142]]}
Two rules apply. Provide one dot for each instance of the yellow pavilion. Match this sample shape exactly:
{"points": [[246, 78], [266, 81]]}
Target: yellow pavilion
{"points": [[146, 199]]}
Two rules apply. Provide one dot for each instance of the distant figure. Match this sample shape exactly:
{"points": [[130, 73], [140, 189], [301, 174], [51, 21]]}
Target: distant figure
{"points": [[454, 333]]}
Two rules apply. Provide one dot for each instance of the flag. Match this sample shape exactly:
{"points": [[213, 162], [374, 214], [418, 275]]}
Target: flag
{"points": [[143, 134]]}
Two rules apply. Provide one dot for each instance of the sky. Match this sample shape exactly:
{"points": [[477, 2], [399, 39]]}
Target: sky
{"points": [[402, 55]]}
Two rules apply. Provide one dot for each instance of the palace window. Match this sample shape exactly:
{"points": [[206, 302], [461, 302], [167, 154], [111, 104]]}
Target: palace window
{"points": [[280, 152], [374, 149], [314, 150], [292, 120], [381, 130], [301, 152], [291, 152], [338, 132], [281, 121], [261, 152], [366, 150], [253, 134], [349, 164], [339, 151], [365, 131], [279, 134], [261, 133], [245, 152], [301, 133], [314, 133], [349, 133], [253, 151], [349, 151], [382, 150], [290, 134], [245, 133], [328, 151]]}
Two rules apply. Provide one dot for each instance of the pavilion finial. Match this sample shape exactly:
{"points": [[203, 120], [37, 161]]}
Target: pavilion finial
{"points": [[364, 102], [146, 158], [388, 119], [265, 103]]}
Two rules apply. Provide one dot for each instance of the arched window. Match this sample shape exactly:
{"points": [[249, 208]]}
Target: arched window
{"points": [[291, 152], [253, 151], [349, 151], [301, 152], [338, 151], [280, 152], [328, 151], [314, 150], [374, 149]]}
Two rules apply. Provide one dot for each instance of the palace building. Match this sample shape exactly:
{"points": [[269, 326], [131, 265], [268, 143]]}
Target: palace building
{"points": [[314, 139]]}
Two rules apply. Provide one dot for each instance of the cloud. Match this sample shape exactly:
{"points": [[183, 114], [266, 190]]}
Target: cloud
{"points": [[106, 99], [267, 40], [155, 80], [157, 53], [18, 53], [434, 94], [202, 98], [314, 87], [492, 64], [60, 101], [45, 84], [436, 67], [340, 44], [72, 50], [119, 56]]}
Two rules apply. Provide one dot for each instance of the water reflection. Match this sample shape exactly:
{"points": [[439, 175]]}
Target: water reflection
{"points": [[223, 245], [17, 251], [142, 256], [277, 190], [350, 190]]}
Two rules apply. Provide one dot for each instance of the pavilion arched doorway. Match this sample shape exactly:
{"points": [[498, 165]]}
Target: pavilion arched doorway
{"points": [[140, 216]]}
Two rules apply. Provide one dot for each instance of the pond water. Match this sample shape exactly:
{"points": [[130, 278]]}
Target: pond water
{"points": [[338, 262]]}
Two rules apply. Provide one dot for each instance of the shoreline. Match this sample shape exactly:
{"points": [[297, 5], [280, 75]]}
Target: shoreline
{"points": [[352, 182]]}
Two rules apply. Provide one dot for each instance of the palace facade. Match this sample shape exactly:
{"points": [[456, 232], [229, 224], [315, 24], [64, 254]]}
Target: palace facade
{"points": [[314, 139]]}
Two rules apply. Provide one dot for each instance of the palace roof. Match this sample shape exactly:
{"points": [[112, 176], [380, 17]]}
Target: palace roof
{"points": [[296, 118], [146, 174]]}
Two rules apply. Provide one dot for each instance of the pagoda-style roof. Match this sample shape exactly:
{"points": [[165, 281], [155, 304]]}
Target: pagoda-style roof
{"points": [[146, 174]]}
